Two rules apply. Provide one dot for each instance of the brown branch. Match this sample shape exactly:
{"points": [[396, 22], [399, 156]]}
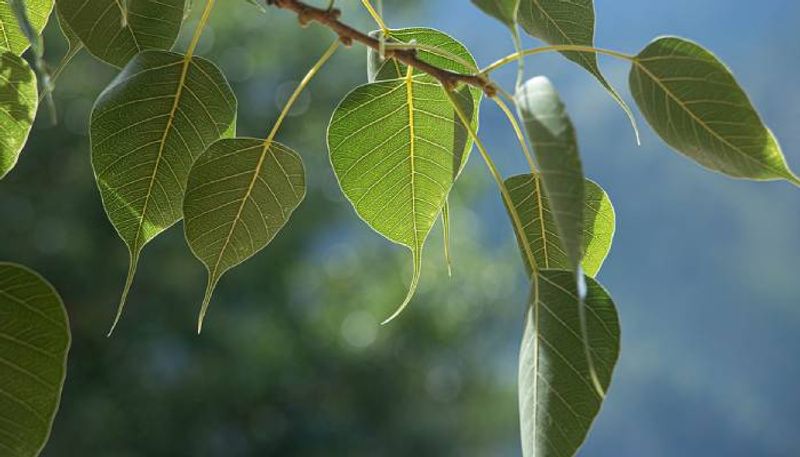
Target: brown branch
{"points": [[330, 19]]}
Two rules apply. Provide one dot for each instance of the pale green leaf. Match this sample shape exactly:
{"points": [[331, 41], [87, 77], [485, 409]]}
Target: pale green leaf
{"points": [[694, 103], [556, 149], [434, 47], [557, 401], [396, 149], [151, 24], [569, 22], [18, 102], [240, 193], [541, 234], [147, 128], [503, 10], [12, 37], [444, 51], [34, 342]]}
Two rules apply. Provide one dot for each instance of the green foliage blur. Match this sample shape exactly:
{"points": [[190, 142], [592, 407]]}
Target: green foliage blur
{"points": [[292, 360]]}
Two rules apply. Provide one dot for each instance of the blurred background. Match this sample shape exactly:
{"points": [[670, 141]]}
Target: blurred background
{"points": [[292, 360]]}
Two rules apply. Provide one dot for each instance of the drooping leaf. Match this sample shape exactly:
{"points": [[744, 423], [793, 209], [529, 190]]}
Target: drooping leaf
{"points": [[396, 149], [569, 22], [18, 103], [557, 401], [34, 341], [694, 103], [541, 234], [151, 24], [503, 10], [240, 193], [147, 128], [556, 149], [12, 37]]}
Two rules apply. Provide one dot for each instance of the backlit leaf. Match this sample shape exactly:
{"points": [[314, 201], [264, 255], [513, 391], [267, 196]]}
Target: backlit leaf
{"points": [[241, 192], [34, 341], [396, 149], [12, 37], [151, 24], [147, 128], [541, 234], [557, 401], [503, 10], [18, 102], [694, 103], [556, 149], [436, 48], [569, 22]]}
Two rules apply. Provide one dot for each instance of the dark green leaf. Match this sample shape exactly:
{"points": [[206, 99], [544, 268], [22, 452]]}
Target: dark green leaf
{"points": [[147, 128], [241, 192], [34, 341], [557, 401], [556, 148], [568, 22], [503, 10], [12, 36], [396, 148], [694, 103], [18, 102], [541, 234], [151, 24]]}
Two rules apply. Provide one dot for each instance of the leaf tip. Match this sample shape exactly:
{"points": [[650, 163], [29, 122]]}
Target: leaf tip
{"points": [[134, 261], [212, 283], [411, 289]]}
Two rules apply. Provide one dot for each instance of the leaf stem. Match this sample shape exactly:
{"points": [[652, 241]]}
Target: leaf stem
{"points": [[498, 178], [375, 16], [299, 89], [517, 131], [201, 25], [555, 48]]}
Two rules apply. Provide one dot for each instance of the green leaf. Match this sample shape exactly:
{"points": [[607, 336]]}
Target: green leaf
{"points": [[569, 22], [241, 192], [396, 149], [73, 40], [541, 234], [34, 342], [436, 48], [151, 24], [147, 129], [556, 149], [503, 10], [694, 103], [18, 102], [557, 401], [12, 37]]}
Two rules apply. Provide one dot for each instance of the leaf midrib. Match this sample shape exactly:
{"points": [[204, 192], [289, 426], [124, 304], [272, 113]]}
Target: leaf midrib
{"points": [[167, 129], [702, 123]]}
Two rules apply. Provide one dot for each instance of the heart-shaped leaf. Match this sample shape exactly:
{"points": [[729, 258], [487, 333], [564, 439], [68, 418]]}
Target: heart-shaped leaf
{"points": [[12, 37], [241, 192], [557, 401], [569, 22], [396, 149], [18, 103], [444, 51], [150, 24], [147, 128], [694, 103], [541, 234], [503, 10], [34, 341], [556, 149]]}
